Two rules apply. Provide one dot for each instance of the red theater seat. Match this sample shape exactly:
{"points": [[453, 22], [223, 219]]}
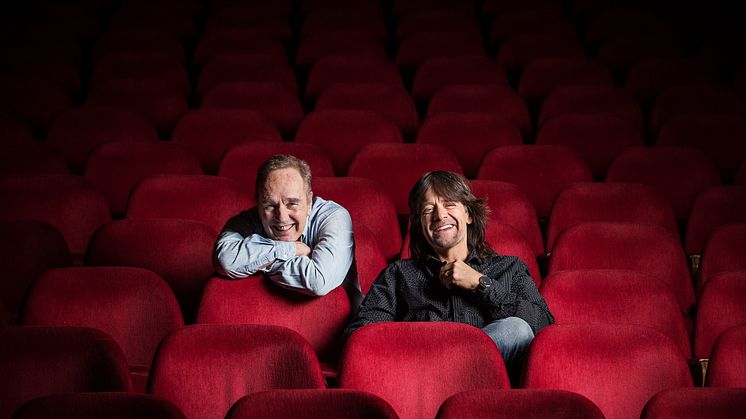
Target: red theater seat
{"points": [[677, 173], [350, 69], [468, 135], [439, 72], [541, 171], [40, 361], [600, 100], [229, 67], [616, 296], [725, 403], [417, 375], [541, 76], [242, 161], [369, 258], [341, 133], [205, 369], [723, 252], [529, 404], [314, 403], [721, 305], [99, 405], [180, 251], [208, 199], [209, 133], [115, 168], [69, 203], [133, 306], [610, 202], [727, 367], [713, 207], [617, 367], [29, 248], [644, 248], [76, 132]]}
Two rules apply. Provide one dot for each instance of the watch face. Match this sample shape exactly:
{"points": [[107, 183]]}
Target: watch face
{"points": [[485, 281]]}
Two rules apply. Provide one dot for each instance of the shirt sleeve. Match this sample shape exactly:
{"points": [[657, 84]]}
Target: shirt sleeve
{"points": [[380, 305], [514, 294], [238, 256], [327, 265]]}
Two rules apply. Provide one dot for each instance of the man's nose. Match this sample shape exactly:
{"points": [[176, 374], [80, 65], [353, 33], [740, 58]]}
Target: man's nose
{"points": [[440, 212]]}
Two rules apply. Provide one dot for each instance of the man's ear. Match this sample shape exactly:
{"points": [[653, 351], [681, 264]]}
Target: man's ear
{"points": [[310, 201]]}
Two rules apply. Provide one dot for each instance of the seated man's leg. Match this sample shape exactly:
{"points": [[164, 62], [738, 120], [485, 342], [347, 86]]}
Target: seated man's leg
{"points": [[512, 335]]}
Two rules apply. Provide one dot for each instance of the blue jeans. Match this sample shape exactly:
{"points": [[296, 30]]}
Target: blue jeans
{"points": [[512, 335]]}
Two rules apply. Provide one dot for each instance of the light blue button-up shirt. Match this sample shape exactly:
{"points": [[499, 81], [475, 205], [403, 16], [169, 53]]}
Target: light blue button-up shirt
{"points": [[244, 249]]}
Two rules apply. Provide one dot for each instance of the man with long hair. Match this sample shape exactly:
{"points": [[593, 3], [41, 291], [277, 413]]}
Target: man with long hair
{"points": [[454, 275]]}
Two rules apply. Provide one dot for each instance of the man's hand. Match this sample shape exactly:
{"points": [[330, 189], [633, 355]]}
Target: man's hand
{"points": [[301, 249], [459, 274]]}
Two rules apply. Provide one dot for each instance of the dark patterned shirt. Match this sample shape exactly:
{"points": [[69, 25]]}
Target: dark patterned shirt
{"points": [[409, 290]]}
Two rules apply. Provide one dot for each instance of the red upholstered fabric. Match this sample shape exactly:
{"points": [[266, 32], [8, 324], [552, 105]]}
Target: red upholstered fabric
{"points": [[543, 75], [438, 72], [30, 157], [369, 258], [151, 16], [99, 405], [33, 101], [29, 248], [721, 305], [422, 46], [287, 404], [13, 130], [180, 251], [239, 40], [397, 167], [723, 252], [141, 65], [368, 204], [254, 23], [405, 7], [312, 48], [653, 75], [490, 8], [539, 20], [539, 170], [597, 138], [38, 361], [726, 403], [522, 48], [209, 199], [501, 100], [694, 99], [435, 20], [505, 240], [644, 248], [713, 207], [115, 168], [720, 137], [524, 403], [205, 369], [350, 69], [677, 173], [613, 296], [160, 103], [361, 20], [341, 133], [612, 22], [727, 367], [209, 133], [509, 205], [257, 300], [468, 135], [617, 367], [133, 306], [132, 39], [278, 103], [623, 51], [592, 99], [609, 202], [227, 67], [417, 366], [78, 131], [388, 99], [241, 162], [69, 203], [740, 177]]}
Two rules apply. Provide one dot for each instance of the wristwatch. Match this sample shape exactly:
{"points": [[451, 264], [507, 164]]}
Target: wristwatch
{"points": [[485, 282]]}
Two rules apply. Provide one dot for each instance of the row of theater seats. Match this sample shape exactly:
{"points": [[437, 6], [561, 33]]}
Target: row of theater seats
{"points": [[450, 370]]}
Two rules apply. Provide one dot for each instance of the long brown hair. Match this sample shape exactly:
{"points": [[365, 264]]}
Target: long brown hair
{"points": [[452, 187]]}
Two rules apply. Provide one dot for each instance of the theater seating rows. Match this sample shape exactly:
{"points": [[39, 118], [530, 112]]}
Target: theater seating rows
{"points": [[607, 139]]}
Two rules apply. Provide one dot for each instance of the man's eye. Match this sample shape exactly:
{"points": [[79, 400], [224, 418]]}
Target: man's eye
{"points": [[450, 205], [428, 210]]}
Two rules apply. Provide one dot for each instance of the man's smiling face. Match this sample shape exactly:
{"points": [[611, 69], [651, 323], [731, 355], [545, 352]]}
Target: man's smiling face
{"points": [[285, 205]]}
